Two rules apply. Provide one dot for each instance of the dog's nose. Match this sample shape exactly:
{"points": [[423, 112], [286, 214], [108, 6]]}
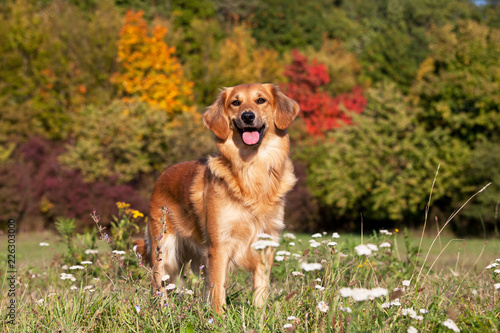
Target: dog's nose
{"points": [[248, 117]]}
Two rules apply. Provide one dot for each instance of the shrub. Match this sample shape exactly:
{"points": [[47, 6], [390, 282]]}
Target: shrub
{"points": [[320, 111], [41, 189]]}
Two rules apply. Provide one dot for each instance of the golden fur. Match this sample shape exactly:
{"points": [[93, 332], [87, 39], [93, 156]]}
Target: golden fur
{"points": [[218, 206]]}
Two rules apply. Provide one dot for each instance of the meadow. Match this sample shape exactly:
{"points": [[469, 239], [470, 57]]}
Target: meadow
{"points": [[383, 281]]}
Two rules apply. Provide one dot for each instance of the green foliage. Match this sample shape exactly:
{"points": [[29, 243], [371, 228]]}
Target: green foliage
{"points": [[481, 216], [282, 25], [391, 40], [124, 226], [216, 63], [66, 229], [458, 86], [127, 140], [113, 292], [343, 67], [57, 60], [383, 166]]}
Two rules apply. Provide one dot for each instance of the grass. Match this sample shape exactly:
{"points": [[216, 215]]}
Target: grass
{"points": [[113, 294]]}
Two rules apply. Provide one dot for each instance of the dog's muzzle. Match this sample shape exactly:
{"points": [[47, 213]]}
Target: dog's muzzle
{"points": [[251, 132]]}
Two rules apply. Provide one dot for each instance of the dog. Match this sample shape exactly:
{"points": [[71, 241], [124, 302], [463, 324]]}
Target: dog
{"points": [[218, 206]]}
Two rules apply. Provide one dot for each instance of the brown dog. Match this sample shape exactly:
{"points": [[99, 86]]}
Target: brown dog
{"points": [[218, 206]]}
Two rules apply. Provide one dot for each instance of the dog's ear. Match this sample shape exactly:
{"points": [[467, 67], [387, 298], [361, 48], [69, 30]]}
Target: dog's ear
{"points": [[286, 109], [215, 119]]}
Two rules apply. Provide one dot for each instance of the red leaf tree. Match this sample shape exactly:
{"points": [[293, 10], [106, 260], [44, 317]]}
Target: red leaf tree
{"points": [[320, 111]]}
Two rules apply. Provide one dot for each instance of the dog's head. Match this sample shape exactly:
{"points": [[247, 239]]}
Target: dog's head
{"points": [[250, 111]]}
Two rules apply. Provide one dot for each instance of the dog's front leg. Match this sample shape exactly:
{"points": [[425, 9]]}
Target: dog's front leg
{"points": [[262, 275], [218, 260]]}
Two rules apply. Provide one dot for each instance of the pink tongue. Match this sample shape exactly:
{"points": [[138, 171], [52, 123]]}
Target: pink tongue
{"points": [[250, 138]]}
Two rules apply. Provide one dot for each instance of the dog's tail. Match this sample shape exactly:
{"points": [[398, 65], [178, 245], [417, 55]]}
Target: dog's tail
{"points": [[140, 249]]}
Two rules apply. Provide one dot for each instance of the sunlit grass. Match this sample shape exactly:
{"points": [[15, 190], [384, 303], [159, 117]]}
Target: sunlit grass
{"points": [[339, 290]]}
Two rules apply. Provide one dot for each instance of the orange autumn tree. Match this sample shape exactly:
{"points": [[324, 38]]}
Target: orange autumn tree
{"points": [[149, 71]]}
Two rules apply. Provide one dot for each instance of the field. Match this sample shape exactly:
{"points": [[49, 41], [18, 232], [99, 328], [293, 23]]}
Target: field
{"points": [[448, 288]]}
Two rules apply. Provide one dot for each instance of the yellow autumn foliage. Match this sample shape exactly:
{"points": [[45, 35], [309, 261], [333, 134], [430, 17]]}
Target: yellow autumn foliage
{"points": [[149, 71]]}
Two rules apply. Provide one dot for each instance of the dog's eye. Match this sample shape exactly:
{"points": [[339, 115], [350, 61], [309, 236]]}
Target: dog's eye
{"points": [[261, 101], [236, 103]]}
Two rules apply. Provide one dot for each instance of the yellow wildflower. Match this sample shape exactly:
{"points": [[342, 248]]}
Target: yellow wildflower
{"points": [[122, 205]]}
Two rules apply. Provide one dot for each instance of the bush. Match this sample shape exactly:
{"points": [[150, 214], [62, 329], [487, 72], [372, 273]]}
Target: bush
{"points": [[129, 140], [383, 166], [40, 189]]}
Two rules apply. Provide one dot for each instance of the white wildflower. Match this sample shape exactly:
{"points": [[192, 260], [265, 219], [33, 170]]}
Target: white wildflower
{"points": [[65, 276], [44, 244], [40, 301], [335, 235], [86, 262], [264, 236], [118, 252], [287, 326], [385, 232], [317, 235], [73, 288], [412, 329], [378, 292], [262, 244], [318, 287], [310, 266], [363, 250], [165, 277], [89, 288], [279, 258], [91, 251], [291, 244], [76, 267], [331, 243], [411, 313], [170, 286], [346, 309], [396, 302], [362, 294], [289, 236], [372, 247], [497, 285], [424, 311], [188, 292], [314, 244], [290, 318], [451, 325], [295, 273], [406, 283], [283, 253], [391, 304], [323, 307], [385, 244]]}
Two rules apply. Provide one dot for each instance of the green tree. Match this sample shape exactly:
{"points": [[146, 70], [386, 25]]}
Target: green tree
{"points": [[384, 165], [57, 59], [128, 140], [458, 86]]}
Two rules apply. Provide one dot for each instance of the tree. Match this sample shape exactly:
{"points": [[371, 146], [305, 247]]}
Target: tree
{"points": [[54, 61], [127, 140], [384, 165], [458, 85], [320, 111], [149, 71]]}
